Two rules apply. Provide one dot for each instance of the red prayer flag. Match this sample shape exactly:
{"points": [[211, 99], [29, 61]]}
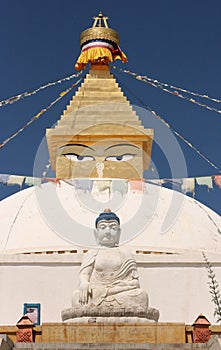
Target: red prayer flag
{"points": [[56, 181], [136, 185], [217, 179]]}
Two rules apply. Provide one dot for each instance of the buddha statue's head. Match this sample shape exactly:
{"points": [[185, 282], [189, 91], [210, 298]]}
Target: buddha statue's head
{"points": [[107, 231]]}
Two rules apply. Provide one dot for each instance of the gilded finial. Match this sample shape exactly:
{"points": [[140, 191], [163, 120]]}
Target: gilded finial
{"points": [[98, 21], [99, 45]]}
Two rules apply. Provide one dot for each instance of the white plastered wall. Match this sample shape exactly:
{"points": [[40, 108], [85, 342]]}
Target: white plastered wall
{"points": [[177, 285]]}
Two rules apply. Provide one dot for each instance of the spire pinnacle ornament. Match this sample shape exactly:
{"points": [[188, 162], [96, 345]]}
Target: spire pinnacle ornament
{"points": [[99, 45], [98, 21]]}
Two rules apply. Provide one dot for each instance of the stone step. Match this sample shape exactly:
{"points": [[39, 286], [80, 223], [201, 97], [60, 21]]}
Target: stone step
{"points": [[97, 98], [102, 81], [107, 346], [104, 87], [105, 79], [109, 88], [104, 114], [103, 108], [111, 130], [84, 104], [76, 127], [100, 87], [99, 94], [117, 117], [99, 75], [91, 122]]}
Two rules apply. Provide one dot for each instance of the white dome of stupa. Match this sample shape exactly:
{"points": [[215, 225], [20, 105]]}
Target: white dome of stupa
{"points": [[54, 217]]}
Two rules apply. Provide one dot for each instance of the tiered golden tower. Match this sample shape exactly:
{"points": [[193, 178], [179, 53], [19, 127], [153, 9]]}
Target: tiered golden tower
{"points": [[99, 134]]}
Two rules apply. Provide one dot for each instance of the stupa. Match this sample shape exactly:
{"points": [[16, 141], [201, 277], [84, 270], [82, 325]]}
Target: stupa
{"points": [[100, 149]]}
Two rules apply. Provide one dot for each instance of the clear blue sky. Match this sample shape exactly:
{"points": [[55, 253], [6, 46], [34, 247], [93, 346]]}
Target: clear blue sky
{"points": [[173, 41]]}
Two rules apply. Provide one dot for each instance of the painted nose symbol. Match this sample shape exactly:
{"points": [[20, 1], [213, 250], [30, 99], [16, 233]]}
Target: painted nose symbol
{"points": [[100, 168]]}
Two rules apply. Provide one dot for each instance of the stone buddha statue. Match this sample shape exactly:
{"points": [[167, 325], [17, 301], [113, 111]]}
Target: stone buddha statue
{"points": [[109, 281]]}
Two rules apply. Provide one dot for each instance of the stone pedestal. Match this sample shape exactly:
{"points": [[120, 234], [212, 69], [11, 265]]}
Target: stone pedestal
{"points": [[90, 314], [153, 333]]}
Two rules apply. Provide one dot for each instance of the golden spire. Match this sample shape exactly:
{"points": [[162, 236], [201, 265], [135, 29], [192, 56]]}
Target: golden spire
{"points": [[99, 134], [99, 44]]}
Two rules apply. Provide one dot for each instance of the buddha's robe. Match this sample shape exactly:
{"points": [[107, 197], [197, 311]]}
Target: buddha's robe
{"points": [[113, 279]]}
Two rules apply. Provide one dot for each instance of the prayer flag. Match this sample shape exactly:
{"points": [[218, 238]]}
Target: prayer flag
{"points": [[103, 185], [217, 179], [32, 181], [16, 180], [83, 184], [56, 181], [136, 185], [119, 186], [205, 181], [4, 178], [188, 185]]}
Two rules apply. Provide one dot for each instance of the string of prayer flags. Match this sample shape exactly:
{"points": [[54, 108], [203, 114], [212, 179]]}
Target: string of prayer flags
{"points": [[25, 94], [187, 98], [38, 115], [166, 87], [144, 77], [182, 138], [185, 185]]}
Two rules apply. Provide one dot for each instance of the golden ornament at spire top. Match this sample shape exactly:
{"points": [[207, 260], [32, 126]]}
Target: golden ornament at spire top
{"points": [[98, 21], [99, 44]]}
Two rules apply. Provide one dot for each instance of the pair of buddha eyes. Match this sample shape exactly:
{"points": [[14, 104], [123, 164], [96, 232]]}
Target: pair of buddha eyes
{"points": [[79, 158], [112, 227]]}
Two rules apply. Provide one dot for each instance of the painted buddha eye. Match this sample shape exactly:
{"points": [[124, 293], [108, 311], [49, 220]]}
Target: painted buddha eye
{"points": [[78, 158], [121, 158]]}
